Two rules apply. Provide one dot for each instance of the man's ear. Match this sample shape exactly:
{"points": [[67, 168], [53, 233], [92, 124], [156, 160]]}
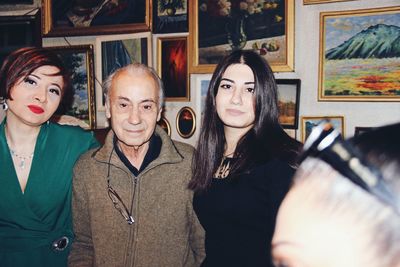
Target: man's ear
{"points": [[108, 108], [159, 114]]}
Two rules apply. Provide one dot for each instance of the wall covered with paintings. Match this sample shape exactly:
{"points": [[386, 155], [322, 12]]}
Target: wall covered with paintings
{"points": [[310, 45]]}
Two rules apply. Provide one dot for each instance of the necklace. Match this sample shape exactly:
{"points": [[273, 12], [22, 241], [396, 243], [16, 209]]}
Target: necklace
{"points": [[22, 159]]}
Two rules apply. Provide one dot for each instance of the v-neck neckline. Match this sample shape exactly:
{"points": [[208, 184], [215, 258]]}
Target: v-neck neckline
{"points": [[33, 164]]}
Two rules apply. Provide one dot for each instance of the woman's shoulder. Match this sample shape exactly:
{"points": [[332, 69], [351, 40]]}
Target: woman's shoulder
{"points": [[68, 129], [71, 134]]}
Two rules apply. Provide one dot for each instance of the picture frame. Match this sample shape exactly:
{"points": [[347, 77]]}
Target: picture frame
{"points": [[71, 18], [186, 122], [170, 16], [308, 123], [360, 130], [78, 108], [19, 31], [199, 84], [351, 65], [164, 123], [116, 51], [16, 2], [312, 2], [289, 102], [270, 31], [172, 61]]}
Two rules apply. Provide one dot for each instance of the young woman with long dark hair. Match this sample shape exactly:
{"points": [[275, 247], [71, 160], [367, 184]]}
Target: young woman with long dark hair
{"points": [[243, 164]]}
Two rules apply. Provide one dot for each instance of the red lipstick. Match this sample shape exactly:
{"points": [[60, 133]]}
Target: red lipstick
{"points": [[36, 109]]}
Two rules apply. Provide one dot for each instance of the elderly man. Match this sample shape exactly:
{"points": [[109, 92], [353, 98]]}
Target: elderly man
{"points": [[131, 205]]}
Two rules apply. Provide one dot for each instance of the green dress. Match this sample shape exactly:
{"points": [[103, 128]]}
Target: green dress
{"points": [[31, 221]]}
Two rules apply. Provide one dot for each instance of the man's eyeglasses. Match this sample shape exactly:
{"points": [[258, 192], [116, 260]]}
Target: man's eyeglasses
{"points": [[117, 201], [326, 143]]}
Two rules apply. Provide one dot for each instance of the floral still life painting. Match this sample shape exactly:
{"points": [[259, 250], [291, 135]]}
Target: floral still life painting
{"points": [[360, 55], [259, 25]]}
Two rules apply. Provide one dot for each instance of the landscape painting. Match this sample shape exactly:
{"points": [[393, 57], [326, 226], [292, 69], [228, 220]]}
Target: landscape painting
{"points": [[360, 55], [77, 106], [288, 102]]}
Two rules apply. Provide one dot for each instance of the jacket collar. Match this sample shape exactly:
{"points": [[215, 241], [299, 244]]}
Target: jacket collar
{"points": [[168, 153]]}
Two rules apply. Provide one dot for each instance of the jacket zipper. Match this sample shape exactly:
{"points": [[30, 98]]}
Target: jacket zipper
{"points": [[133, 231]]}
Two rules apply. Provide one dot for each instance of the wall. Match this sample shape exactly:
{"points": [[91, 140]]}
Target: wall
{"points": [[306, 68]]}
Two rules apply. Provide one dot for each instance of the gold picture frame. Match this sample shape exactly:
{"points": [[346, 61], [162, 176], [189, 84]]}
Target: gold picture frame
{"points": [[172, 67], [312, 2], [278, 50], [164, 123], [186, 122], [57, 19], [308, 123], [79, 107], [352, 67]]}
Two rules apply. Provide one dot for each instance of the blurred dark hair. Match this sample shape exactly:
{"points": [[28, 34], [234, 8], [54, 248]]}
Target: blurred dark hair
{"points": [[264, 141], [22, 62], [381, 147]]}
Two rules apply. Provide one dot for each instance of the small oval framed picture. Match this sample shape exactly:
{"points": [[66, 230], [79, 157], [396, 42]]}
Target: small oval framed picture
{"points": [[186, 122], [164, 123]]}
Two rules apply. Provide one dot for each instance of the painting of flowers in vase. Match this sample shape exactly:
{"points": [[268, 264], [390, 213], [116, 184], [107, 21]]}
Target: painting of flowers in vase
{"points": [[265, 26]]}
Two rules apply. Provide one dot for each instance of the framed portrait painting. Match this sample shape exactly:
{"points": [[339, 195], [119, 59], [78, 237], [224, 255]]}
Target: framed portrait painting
{"points": [[173, 67], [360, 55], [308, 123], [19, 31], [94, 17], [116, 51], [289, 102], [186, 122], [219, 27], [170, 16], [78, 105]]}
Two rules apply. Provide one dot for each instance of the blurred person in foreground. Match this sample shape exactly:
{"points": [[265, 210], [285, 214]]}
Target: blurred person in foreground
{"points": [[343, 209]]}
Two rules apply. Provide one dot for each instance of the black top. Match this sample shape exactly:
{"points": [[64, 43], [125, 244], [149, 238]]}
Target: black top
{"points": [[238, 215], [151, 154]]}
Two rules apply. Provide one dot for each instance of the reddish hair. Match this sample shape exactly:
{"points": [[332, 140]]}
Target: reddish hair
{"points": [[22, 62]]}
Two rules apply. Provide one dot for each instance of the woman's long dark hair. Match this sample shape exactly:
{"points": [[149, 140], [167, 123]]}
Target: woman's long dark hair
{"points": [[264, 141]]}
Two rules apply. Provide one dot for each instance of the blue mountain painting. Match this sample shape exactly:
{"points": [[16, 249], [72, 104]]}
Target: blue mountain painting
{"points": [[377, 41]]}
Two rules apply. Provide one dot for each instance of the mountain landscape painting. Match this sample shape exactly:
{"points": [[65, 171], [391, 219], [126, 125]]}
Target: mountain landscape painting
{"points": [[360, 55]]}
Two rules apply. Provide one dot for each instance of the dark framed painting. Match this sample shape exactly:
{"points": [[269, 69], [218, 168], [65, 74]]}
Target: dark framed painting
{"points": [[173, 67], [360, 130], [19, 31], [170, 16], [308, 123], [186, 122], [116, 51], [164, 123], [360, 55], [94, 17], [78, 105], [289, 102], [16, 2], [219, 27]]}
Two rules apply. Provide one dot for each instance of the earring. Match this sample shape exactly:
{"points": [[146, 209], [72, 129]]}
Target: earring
{"points": [[5, 106]]}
